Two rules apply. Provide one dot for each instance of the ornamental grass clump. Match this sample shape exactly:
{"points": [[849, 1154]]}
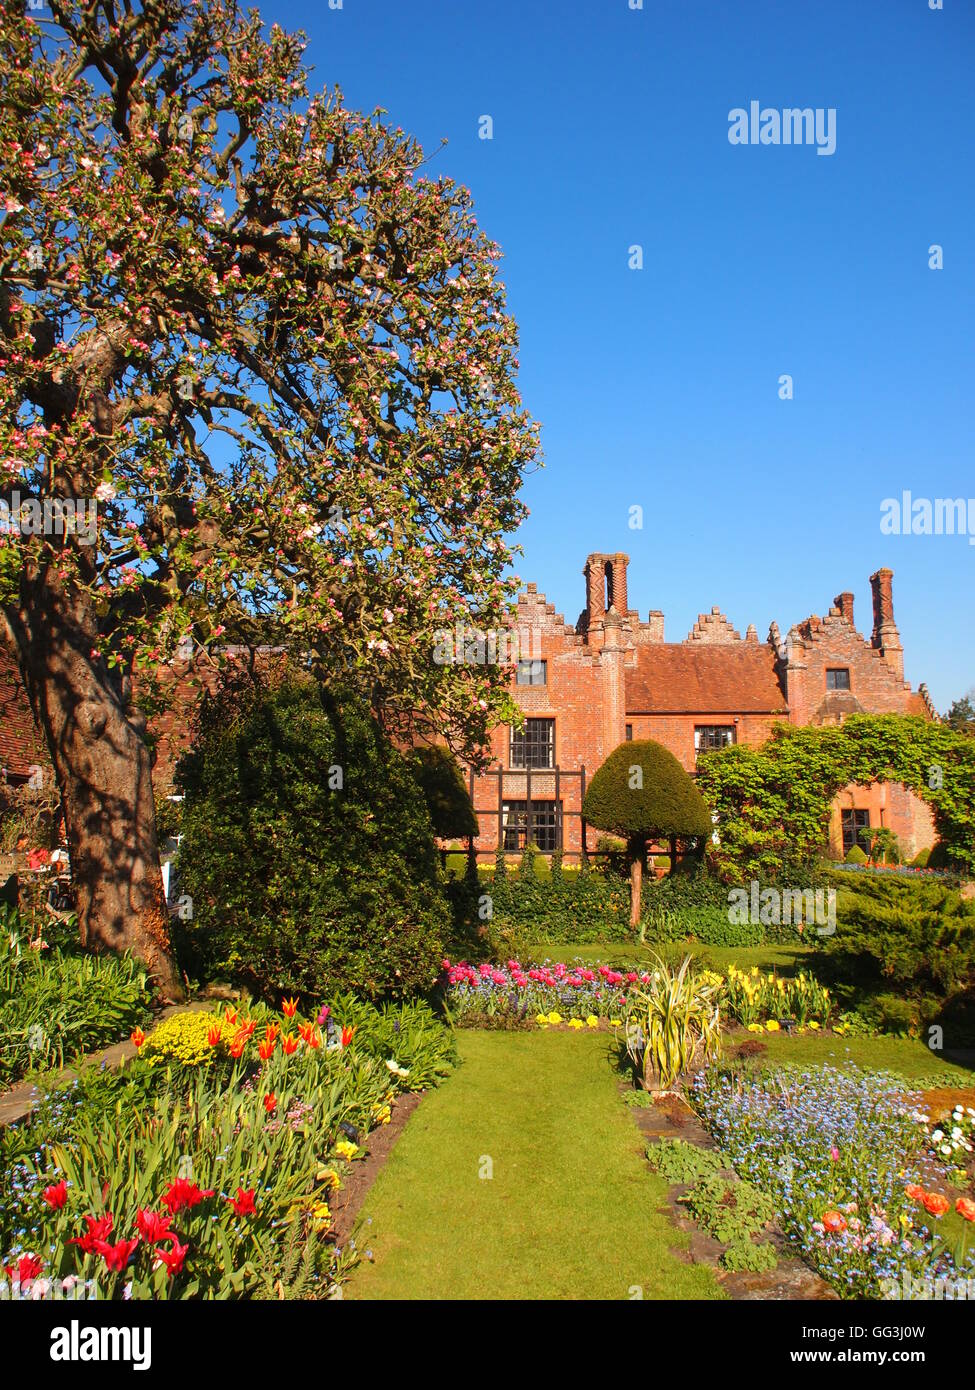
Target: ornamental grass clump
{"points": [[673, 1022], [839, 1152]]}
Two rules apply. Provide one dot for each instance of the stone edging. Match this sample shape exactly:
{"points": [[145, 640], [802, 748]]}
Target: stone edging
{"points": [[791, 1279]]}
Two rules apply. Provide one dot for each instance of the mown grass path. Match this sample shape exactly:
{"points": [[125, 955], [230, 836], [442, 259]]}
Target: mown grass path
{"points": [[571, 1211]]}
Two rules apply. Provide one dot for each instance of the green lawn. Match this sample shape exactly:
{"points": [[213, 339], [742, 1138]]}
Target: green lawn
{"points": [[903, 1055], [571, 1209]]}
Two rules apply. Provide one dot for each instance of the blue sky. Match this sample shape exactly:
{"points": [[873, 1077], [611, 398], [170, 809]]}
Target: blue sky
{"points": [[659, 388]]}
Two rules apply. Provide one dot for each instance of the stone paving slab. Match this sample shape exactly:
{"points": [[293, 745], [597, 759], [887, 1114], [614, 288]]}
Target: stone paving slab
{"points": [[21, 1099]]}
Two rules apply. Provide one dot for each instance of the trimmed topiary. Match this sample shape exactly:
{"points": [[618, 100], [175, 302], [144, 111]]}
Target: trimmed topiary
{"points": [[642, 793], [920, 860], [448, 801], [855, 855]]}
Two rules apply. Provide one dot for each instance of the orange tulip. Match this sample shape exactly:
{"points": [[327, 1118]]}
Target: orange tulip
{"points": [[314, 1038], [271, 1031], [935, 1203], [271, 1103], [138, 1037], [347, 1035], [289, 1007], [965, 1207], [230, 1015], [265, 1049], [834, 1221], [289, 1043], [213, 1034], [237, 1047], [915, 1192]]}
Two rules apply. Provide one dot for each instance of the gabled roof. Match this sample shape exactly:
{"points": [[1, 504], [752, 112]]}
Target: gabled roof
{"points": [[694, 678]]}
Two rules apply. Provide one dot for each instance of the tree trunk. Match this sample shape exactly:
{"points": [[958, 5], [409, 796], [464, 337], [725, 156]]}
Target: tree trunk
{"points": [[638, 854], [102, 767]]}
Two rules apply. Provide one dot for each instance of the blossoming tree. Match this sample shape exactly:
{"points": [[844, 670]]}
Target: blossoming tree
{"points": [[243, 322]]}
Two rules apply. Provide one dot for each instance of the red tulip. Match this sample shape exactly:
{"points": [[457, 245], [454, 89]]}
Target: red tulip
{"points": [[265, 1049], [153, 1226], [834, 1221], [116, 1257], [173, 1259], [213, 1034], [271, 1103], [97, 1231], [28, 1267], [243, 1203], [138, 1037], [347, 1036], [289, 1007], [183, 1193], [56, 1195], [230, 1015], [915, 1192], [289, 1043], [965, 1207]]}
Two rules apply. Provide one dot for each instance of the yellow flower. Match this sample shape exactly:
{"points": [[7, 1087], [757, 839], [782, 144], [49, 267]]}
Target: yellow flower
{"points": [[772, 1025], [345, 1149], [554, 1018], [329, 1176], [813, 1023], [616, 1023], [592, 1021], [541, 1018], [576, 1023]]}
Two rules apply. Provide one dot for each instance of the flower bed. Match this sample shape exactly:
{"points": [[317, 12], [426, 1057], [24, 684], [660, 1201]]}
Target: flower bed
{"points": [[848, 1160], [57, 1000], [204, 1168], [550, 993], [514, 994]]}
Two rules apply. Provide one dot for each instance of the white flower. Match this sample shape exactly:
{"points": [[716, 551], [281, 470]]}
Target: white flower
{"points": [[395, 1067], [938, 1135], [104, 492]]}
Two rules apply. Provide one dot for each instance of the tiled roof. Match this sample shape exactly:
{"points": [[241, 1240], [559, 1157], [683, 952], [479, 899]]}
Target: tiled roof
{"points": [[20, 744], [693, 678]]}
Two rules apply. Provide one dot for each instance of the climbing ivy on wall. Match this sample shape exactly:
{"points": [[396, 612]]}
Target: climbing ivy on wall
{"points": [[773, 801]]}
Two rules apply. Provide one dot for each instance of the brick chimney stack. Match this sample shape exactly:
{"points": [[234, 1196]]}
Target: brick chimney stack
{"points": [[605, 589], [844, 602], [885, 636]]}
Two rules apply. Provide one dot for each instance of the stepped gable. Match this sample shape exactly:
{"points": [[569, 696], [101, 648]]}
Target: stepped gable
{"points": [[713, 627], [699, 677], [534, 610]]}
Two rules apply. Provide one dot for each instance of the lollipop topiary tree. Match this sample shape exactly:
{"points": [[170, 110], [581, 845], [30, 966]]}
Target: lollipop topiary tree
{"points": [[642, 793]]}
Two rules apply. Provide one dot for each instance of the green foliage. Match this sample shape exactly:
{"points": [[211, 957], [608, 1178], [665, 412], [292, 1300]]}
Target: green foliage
{"points": [[749, 1256], [308, 852], [774, 801], [920, 860], [731, 1211], [57, 1001], [642, 792], [855, 855], [527, 909], [910, 936], [682, 1163], [440, 780], [672, 1022]]}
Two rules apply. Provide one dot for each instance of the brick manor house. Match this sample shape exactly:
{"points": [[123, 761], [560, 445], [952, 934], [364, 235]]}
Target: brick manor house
{"points": [[613, 677]]}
